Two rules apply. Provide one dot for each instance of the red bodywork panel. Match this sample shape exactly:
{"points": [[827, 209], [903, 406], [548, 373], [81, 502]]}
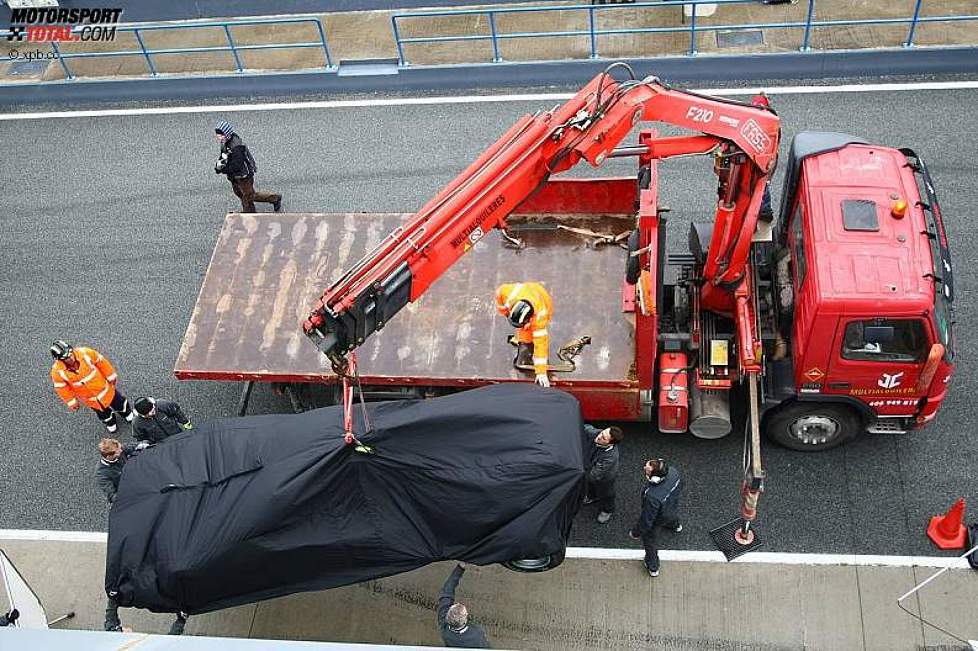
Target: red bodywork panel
{"points": [[860, 275]]}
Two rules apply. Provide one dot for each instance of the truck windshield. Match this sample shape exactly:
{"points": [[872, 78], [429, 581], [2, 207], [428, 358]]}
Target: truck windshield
{"points": [[943, 320]]}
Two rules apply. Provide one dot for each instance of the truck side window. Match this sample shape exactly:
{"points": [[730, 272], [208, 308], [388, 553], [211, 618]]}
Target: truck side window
{"points": [[798, 253], [909, 343]]}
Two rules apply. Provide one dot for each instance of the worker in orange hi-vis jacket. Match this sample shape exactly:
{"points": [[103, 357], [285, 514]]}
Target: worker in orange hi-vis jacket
{"points": [[82, 376], [528, 308]]}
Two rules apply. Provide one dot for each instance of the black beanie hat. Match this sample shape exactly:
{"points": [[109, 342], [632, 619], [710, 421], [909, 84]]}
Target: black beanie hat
{"points": [[144, 406]]}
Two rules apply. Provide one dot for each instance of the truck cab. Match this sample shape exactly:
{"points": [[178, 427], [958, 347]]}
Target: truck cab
{"points": [[868, 317]]}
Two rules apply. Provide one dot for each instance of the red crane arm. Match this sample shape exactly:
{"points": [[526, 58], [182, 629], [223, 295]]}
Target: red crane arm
{"points": [[589, 126]]}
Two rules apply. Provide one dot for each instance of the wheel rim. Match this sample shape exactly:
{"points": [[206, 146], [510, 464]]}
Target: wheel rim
{"points": [[815, 430], [531, 564]]}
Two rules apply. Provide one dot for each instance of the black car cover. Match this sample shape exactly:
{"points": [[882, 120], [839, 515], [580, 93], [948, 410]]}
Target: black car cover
{"points": [[244, 509]]}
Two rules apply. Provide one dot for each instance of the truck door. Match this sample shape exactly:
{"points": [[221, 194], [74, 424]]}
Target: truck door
{"points": [[878, 361]]}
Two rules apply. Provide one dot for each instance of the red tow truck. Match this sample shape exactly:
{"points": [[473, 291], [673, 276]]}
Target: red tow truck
{"points": [[833, 320]]}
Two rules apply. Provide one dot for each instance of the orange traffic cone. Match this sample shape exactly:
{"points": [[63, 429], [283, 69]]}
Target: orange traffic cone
{"points": [[946, 531]]}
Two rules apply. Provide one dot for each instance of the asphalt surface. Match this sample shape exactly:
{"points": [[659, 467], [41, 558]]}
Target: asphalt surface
{"points": [[108, 224]]}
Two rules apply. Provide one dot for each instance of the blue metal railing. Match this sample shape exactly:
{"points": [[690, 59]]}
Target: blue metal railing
{"points": [[593, 32], [139, 29]]}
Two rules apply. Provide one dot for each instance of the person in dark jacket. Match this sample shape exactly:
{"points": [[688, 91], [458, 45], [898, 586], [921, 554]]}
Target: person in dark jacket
{"points": [[237, 163], [157, 419], [453, 618], [110, 466], [602, 470], [10, 619], [660, 508]]}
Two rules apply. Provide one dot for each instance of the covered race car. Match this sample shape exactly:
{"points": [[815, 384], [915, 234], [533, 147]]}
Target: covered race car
{"points": [[252, 508]]}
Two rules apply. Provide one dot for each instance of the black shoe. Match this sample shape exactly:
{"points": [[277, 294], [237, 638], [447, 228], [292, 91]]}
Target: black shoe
{"points": [[652, 573], [524, 356], [589, 500], [277, 205]]}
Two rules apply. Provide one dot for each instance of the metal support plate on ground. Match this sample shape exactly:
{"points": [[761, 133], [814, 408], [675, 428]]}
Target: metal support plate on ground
{"points": [[724, 539]]}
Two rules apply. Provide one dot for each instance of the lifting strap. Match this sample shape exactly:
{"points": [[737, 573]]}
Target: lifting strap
{"points": [[352, 376]]}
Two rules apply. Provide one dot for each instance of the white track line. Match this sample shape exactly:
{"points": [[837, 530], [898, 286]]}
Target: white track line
{"points": [[604, 554], [473, 99], [771, 558], [52, 536]]}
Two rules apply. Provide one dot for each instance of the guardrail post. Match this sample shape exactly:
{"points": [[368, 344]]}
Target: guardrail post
{"points": [[913, 24], [495, 42], [322, 39], [808, 26], [234, 51], [692, 32], [61, 60], [142, 46], [397, 40], [594, 37]]}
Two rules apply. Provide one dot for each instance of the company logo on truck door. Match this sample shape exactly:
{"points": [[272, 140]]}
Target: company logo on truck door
{"points": [[890, 380], [473, 228], [889, 384]]}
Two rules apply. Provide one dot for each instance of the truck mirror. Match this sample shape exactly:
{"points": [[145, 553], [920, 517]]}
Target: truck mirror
{"points": [[878, 334]]}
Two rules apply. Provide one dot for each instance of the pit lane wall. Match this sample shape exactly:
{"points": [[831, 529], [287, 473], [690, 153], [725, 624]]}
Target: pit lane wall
{"points": [[598, 599]]}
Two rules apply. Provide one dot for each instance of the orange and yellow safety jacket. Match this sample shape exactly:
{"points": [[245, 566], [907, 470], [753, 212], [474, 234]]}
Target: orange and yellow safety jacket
{"points": [[535, 331], [93, 383]]}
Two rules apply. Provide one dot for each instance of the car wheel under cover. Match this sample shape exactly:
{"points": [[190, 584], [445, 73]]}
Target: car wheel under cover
{"points": [[539, 564]]}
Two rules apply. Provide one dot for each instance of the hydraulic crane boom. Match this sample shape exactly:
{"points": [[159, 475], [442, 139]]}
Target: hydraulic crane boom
{"points": [[589, 126]]}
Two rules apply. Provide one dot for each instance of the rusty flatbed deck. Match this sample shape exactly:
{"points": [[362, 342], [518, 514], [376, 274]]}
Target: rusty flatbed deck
{"points": [[268, 270]]}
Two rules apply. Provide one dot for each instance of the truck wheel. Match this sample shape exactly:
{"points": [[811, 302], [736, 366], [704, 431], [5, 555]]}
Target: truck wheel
{"points": [[532, 565], [812, 426]]}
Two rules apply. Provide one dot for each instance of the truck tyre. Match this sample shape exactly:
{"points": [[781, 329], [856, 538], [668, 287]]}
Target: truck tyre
{"points": [[534, 565], [812, 426]]}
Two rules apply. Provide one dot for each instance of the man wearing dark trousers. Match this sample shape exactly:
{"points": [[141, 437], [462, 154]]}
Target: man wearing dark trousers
{"points": [[453, 618], [660, 508], [158, 419], [237, 163], [83, 376], [602, 469]]}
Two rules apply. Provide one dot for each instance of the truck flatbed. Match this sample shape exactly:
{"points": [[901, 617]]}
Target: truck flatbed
{"points": [[268, 270]]}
